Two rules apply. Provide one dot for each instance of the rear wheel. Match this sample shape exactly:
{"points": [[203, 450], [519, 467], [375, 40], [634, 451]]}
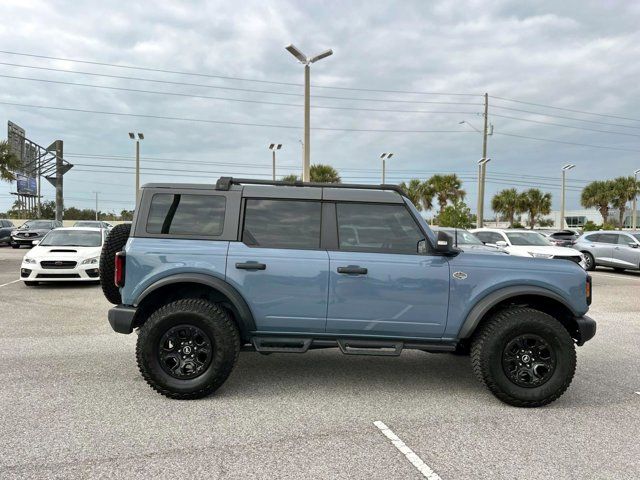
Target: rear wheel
{"points": [[187, 348], [589, 261], [525, 357]]}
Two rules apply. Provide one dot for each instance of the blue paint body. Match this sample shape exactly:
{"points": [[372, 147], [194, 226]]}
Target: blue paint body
{"points": [[403, 296]]}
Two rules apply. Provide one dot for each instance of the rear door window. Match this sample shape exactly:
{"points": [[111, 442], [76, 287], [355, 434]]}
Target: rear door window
{"points": [[489, 237], [282, 223], [608, 238], [186, 214]]}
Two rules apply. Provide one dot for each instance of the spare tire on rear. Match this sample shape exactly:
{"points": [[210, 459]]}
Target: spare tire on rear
{"points": [[113, 244]]}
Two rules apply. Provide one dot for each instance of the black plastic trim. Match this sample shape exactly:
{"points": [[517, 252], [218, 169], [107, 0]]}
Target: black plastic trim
{"points": [[246, 322], [121, 318], [586, 329]]}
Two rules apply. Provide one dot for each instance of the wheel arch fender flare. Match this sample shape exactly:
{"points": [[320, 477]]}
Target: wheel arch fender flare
{"points": [[484, 305], [245, 320]]}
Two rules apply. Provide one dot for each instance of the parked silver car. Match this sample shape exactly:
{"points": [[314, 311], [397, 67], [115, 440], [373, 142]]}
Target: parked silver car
{"points": [[618, 250]]}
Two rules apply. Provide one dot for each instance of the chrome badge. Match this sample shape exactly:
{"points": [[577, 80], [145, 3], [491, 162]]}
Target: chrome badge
{"points": [[459, 275]]}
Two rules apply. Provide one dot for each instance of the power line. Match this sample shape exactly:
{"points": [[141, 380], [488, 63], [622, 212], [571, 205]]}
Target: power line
{"points": [[226, 122], [209, 97], [207, 75], [566, 143], [596, 122], [269, 92], [566, 109], [564, 125]]}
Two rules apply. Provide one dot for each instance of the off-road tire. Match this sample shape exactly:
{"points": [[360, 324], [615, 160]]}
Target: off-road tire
{"points": [[114, 243], [590, 261], [31, 284], [214, 322], [489, 345]]}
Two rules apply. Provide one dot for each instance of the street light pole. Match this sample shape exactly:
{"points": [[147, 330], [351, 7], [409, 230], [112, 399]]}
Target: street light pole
{"points": [[566, 168], [306, 61], [96, 205], [482, 168], [139, 137], [634, 215], [384, 157], [273, 147]]}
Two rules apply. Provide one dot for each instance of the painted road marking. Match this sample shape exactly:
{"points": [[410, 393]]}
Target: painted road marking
{"points": [[5, 284], [415, 460]]}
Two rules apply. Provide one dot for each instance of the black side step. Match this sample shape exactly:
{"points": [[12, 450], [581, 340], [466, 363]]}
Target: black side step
{"points": [[281, 344], [370, 347]]}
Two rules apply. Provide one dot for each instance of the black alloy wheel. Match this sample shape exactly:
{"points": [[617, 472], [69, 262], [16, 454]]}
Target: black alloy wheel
{"points": [[528, 361], [185, 351]]}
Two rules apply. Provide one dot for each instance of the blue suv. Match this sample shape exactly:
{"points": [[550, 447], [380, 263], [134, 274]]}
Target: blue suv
{"points": [[205, 272]]}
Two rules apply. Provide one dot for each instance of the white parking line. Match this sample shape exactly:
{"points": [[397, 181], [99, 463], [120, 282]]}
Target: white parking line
{"points": [[415, 460], [5, 284]]}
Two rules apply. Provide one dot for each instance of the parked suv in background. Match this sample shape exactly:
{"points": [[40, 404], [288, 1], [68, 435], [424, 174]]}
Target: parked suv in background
{"points": [[561, 238], [6, 227], [618, 250], [527, 243], [207, 271], [32, 230]]}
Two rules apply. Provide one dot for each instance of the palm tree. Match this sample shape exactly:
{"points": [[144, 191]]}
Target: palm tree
{"points": [[291, 178], [445, 188], [324, 174], [507, 202], [535, 203], [598, 194], [624, 190], [419, 193], [9, 162]]}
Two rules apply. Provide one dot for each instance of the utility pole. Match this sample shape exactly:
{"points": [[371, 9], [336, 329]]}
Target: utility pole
{"points": [[483, 168], [307, 61], [140, 136], [384, 157], [273, 147], [59, 183], [634, 209], [567, 167], [96, 205]]}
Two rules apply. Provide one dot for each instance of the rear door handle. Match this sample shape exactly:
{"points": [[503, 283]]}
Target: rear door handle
{"points": [[353, 270], [251, 266]]}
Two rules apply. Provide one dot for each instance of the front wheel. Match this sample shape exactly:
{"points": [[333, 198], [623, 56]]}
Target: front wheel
{"points": [[525, 357], [187, 348], [15, 245]]}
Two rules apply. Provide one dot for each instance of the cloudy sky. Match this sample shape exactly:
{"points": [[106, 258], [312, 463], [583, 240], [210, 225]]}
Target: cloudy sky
{"points": [[402, 77]]}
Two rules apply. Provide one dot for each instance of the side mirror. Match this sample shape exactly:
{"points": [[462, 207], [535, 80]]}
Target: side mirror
{"points": [[444, 243], [633, 245], [501, 243], [422, 247]]}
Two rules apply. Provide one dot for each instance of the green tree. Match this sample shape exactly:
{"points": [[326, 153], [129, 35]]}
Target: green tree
{"points": [[446, 188], [324, 174], [9, 163], [126, 215], [624, 190], [508, 203], [598, 194], [291, 178], [535, 203], [419, 193], [457, 215]]}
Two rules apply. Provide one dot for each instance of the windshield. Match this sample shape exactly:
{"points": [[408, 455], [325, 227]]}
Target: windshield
{"points": [[528, 238], [35, 224], [72, 238], [467, 238], [87, 224], [636, 236]]}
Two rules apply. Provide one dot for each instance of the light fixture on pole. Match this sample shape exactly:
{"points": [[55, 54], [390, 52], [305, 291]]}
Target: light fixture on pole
{"points": [[384, 158], [273, 147], [634, 209], [307, 61], [140, 136], [482, 168], [566, 168]]}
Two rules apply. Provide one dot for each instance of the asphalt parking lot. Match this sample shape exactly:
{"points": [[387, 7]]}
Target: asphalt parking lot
{"points": [[73, 404]]}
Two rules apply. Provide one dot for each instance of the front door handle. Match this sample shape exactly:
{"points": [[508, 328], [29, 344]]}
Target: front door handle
{"points": [[251, 266], [353, 270]]}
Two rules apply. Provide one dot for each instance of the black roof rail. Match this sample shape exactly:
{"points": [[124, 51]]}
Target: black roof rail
{"points": [[224, 183]]}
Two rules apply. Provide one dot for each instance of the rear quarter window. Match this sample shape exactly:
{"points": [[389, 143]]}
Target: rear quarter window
{"points": [[186, 214]]}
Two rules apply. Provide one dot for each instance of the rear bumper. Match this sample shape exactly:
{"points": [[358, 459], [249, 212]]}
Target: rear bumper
{"points": [[586, 329], [121, 318]]}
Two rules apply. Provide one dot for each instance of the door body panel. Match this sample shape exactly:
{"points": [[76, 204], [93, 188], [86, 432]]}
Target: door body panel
{"points": [[400, 295], [625, 255], [290, 294]]}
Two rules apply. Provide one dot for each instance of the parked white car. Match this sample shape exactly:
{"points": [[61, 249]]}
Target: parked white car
{"points": [[527, 243], [64, 254]]}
